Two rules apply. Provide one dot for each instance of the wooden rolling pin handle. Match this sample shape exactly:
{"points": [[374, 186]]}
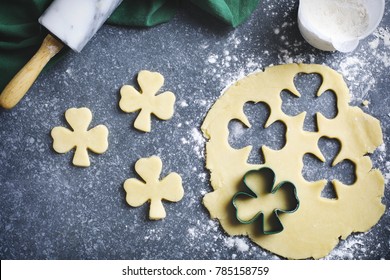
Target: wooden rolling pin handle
{"points": [[23, 80]]}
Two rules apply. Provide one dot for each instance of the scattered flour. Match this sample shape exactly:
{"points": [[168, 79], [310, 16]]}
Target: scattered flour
{"points": [[191, 232], [236, 131], [360, 81], [183, 103], [382, 148], [387, 174], [153, 234], [382, 35], [381, 157], [198, 142], [352, 247], [359, 68], [239, 243], [198, 138], [212, 59], [184, 141]]}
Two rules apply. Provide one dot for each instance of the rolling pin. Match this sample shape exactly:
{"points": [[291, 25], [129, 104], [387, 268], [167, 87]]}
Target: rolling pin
{"points": [[73, 23]]}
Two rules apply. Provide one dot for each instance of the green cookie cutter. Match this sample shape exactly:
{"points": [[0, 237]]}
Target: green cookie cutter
{"points": [[252, 194]]}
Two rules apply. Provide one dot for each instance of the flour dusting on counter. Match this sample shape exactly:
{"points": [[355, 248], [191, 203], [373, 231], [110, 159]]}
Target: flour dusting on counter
{"points": [[239, 243], [359, 68]]}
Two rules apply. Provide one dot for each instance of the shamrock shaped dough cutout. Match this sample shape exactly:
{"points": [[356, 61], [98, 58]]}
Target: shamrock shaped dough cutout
{"points": [[153, 189], [263, 200], [95, 139], [147, 101]]}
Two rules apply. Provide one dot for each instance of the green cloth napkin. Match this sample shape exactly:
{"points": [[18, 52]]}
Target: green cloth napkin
{"points": [[21, 34]]}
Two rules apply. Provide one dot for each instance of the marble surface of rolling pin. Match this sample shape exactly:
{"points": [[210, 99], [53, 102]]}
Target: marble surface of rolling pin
{"points": [[75, 22]]}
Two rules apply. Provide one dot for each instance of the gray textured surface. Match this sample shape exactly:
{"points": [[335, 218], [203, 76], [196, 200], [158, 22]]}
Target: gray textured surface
{"points": [[52, 210]]}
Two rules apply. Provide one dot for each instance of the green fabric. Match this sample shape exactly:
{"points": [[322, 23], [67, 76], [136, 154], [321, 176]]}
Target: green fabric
{"points": [[143, 12], [21, 34], [233, 12], [152, 12]]}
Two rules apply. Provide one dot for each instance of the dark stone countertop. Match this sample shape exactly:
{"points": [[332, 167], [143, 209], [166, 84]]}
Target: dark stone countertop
{"points": [[52, 210]]}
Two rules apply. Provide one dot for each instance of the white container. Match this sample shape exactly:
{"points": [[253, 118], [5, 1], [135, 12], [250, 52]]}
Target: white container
{"points": [[331, 25]]}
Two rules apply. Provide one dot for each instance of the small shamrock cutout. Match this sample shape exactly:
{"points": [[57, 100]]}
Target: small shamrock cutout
{"points": [[329, 170], [309, 100], [147, 101], [262, 200], [260, 135], [80, 138], [153, 189]]}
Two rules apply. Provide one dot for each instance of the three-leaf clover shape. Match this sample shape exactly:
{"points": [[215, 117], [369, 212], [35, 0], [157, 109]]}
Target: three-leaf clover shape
{"points": [[152, 188], [95, 139], [162, 105], [261, 200], [259, 132], [330, 168], [309, 100]]}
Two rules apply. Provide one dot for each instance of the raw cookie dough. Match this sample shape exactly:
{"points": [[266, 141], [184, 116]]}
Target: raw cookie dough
{"points": [[315, 228], [95, 139], [147, 101], [153, 189]]}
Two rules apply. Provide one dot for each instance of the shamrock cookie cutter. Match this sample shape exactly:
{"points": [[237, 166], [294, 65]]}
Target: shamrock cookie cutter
{"points": [[246, 215]]}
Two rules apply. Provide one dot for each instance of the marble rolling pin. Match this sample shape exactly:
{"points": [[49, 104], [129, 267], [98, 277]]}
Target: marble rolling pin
{"points": [[73, 23]]}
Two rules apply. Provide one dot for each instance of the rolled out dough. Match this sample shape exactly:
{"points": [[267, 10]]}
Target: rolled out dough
{"points": [[315, 228]]}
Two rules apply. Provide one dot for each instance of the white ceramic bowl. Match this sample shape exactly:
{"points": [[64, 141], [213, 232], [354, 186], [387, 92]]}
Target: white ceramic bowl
{"points": [[319, 40]]}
